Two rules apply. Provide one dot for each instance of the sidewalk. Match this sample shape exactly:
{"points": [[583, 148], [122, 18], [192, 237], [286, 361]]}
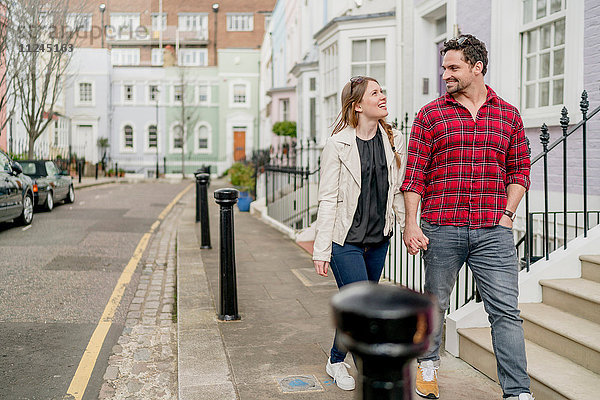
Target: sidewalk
{"points": [[286, 330]]}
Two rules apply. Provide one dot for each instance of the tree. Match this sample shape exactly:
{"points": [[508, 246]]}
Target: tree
{"points": [[10, 61], [189, 114], [45, 36]]}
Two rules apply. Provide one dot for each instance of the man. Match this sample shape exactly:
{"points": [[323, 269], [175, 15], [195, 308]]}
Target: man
{"points": [[468, 163]]}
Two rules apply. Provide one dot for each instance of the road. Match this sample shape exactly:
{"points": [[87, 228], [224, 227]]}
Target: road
{"points": [[56, 278]]}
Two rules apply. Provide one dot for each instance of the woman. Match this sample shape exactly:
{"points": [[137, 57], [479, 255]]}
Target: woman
{"points": [[362, 168]]}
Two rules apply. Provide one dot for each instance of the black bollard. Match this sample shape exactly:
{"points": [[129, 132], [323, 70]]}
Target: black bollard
{"points": [[228, 309], [197, 175], [384, 327], [116, 170], [96, 171], [203, 180], [79, 170]]}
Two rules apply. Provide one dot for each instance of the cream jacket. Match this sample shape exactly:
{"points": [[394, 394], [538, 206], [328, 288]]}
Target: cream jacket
{"points": [[339, 189]]}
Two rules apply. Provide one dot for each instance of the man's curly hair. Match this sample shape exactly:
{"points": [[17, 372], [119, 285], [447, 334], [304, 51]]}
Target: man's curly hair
{"points": [[472, 48]]}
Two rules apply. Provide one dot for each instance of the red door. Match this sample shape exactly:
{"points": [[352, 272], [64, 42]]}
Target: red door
{"points": [[239, 145]]}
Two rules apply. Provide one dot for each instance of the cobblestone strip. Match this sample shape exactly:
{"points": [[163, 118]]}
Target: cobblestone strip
{"points": [[144, 362]]}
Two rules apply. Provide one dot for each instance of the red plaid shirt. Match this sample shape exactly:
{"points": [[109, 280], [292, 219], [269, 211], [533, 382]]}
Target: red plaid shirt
{"points": [[461, 167]]}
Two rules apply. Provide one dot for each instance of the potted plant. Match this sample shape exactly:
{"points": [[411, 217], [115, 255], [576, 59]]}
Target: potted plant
{"points": [[242, 178]]}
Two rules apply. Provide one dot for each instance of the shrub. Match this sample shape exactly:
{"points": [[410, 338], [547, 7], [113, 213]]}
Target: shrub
{"points": [[285, 128], [242, 176]]}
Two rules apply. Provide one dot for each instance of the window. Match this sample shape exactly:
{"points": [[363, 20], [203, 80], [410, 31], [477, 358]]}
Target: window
{"points": [[240, 22], [284, 109], [123, 25], [330, 67], [267, 22], [159, 22], [543, 49], [312, 84], [125, 56], [128, 93], [239, 94], [56, 133], [79, 22], [152, 137], [202, 138], [157, 57], [177, 92], [128, 137], [85, 92], [193, 57], [194, 22], [153, 93], [177, 135], [368, 59], [203, 93]]}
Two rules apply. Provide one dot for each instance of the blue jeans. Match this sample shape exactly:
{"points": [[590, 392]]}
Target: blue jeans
{"points": [[491, 255], [350, 264]]}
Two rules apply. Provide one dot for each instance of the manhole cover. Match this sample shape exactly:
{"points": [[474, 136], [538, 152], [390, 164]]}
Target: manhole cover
{"points": [[300, 383]]}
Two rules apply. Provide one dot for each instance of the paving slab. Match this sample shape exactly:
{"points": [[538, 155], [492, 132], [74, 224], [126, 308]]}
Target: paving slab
{"points": [[286, 329]]}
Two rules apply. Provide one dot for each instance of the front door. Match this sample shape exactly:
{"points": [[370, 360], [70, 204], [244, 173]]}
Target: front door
{"points": [[239, 144]]}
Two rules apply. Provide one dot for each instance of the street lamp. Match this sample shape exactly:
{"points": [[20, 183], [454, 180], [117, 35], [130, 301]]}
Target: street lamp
{"points": [[215, 8], [102, 8], [156, 94]]}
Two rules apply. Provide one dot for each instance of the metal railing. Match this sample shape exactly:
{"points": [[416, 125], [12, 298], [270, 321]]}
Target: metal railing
{"points": [[535, 245]]}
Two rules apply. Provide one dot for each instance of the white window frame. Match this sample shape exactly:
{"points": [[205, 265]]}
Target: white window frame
{"points": [[185, 22], [284, 109], [368, 63], [124, 86], [208, 148], [199, 57], [147, 148], [77, 96], [149, 93], [573, 67], [123, 25], [240, 22], [174, 92], [172, 148], [208, 90], [80, 21], [158, 56], [155, 22], [232, 103], [125, 57], [123, 148]]}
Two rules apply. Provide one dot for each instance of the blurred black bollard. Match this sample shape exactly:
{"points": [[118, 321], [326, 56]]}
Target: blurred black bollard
{"points": [[96, 171], [79, 170], [228, 309], [384, 327], [202, 181], [116, 170]]}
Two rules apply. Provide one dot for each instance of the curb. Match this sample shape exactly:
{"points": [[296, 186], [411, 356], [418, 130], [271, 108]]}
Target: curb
{"points": [[202, 364]]}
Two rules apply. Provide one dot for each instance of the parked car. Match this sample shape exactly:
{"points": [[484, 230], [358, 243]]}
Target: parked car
{"points": [[50, 184], [16, 192]]}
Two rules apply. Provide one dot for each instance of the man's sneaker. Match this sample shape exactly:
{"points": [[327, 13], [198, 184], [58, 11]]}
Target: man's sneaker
{"points": [[426, 383], [522, 396], [339, 373]]}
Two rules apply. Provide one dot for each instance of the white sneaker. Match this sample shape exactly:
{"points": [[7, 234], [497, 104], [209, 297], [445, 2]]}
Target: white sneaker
{"points": [[339, 373], [522, 396]]}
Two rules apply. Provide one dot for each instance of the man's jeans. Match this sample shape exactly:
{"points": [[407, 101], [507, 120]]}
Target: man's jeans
{"points": [[491, 255], [350, 264]]}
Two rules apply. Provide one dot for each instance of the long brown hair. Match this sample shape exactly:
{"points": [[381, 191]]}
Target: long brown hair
{"points": [[352, 93]]}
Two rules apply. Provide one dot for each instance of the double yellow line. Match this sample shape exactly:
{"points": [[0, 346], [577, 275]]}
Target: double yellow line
{"points": [[88, 360]]}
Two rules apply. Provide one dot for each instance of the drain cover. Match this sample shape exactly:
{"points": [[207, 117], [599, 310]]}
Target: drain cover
{"points": [[300, 383]]}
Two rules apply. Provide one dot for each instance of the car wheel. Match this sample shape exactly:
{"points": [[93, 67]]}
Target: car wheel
{"points": [[49, 202], [71, 196], [27, 214]]}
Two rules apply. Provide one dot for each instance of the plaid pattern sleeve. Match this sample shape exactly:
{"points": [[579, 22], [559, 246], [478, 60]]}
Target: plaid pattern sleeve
{"points": [[419, 149], [461, 166]]}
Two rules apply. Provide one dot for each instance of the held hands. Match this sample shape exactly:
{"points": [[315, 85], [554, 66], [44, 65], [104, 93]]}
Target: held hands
{"points": [[321, 267], [414, 239]]}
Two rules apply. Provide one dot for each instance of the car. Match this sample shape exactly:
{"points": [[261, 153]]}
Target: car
{"points": [[50, 184], [16, 192]]}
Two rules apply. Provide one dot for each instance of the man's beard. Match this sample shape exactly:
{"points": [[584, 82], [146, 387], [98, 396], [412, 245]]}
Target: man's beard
{"points": [[458, 87]]}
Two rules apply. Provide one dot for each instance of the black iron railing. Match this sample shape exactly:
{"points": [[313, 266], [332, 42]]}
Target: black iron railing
{"points": [[534, 244]]}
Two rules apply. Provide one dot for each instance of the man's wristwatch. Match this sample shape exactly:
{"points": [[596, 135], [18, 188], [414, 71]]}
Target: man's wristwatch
{"points": [[510, 214]]}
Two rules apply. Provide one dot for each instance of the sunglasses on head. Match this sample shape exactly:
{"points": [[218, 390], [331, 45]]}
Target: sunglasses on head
{"points": [[356, 80], [459, 40]]}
